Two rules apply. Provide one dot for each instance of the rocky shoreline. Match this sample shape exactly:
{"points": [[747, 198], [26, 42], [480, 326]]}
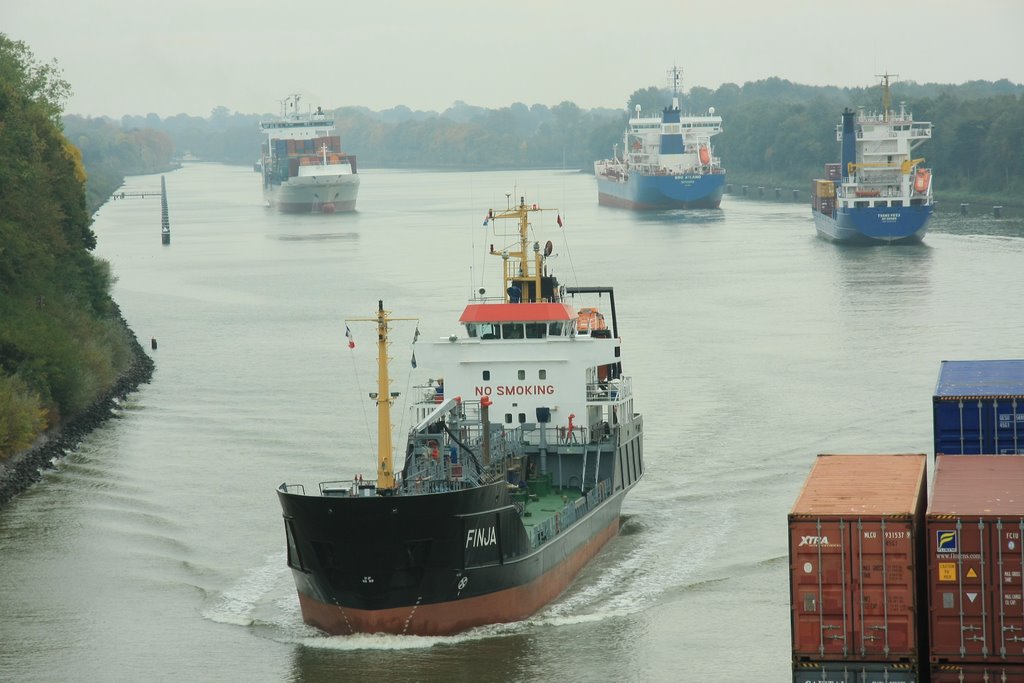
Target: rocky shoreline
{"points": [[20, 471]]}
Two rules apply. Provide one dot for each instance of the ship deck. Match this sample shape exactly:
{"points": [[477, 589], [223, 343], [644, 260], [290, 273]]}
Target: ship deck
{"points": [[546, 510]]}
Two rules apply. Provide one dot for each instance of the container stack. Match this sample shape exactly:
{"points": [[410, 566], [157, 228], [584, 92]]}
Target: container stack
{"points": [[823, 196], [974, 533], [881, 592], [857, 594]]}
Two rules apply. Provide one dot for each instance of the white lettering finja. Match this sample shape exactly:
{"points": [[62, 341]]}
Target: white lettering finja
{"points": [[479, 538], [813, 540]]}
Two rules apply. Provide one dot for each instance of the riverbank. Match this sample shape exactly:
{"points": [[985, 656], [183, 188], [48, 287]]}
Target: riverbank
{"points": [[20, 471]]}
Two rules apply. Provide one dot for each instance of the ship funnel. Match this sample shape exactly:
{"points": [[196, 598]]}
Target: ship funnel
{"points": [[849, 146]]}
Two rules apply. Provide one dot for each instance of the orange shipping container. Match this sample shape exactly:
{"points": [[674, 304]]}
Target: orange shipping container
{"points": [[856, 589]]}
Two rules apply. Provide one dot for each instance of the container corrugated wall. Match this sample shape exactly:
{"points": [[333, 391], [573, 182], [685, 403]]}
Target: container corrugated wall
{"points": [[978, 408], [976, 673], [856, 585], [974, 531], [848, 672]]}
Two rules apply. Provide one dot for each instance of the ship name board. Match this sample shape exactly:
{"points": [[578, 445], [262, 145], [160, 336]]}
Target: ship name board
{"points": [[478, 538], [516, 390]]}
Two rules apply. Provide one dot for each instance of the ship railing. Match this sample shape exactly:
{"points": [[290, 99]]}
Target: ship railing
{"points": [[570, 514], [293, 488], [615, 391]]}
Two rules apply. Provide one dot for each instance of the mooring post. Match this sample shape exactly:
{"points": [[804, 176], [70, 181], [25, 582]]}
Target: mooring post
{"points": [[165, 221]]}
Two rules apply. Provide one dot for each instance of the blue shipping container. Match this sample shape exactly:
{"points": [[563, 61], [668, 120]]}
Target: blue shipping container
{"points": [[978, 408], [850, 672]]}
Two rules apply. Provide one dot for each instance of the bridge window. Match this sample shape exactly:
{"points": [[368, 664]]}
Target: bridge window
{"points": [[512, 331], [471, 329], [535, 330], [490, 331], [555, 329]]}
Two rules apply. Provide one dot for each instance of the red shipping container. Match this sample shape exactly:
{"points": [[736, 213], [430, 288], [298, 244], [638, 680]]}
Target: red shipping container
{"points": [[975, 524], [976, 673], [856, 570]]}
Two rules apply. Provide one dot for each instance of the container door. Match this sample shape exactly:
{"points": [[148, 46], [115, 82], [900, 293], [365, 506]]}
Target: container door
{"points": [[1008, 615], [979, 426], [883, 578], [819, 577], [960, 590]]}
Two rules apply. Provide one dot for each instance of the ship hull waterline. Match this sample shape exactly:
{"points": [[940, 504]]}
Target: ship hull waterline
{"points": [[318, 197], [522, 587], [662, 192], [866, 227]]}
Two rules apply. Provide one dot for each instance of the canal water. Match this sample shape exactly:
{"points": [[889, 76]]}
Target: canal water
{"points": [[155, 551]]}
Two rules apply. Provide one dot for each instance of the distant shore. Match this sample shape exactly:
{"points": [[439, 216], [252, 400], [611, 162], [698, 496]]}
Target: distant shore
{"points": [[22, 470]]}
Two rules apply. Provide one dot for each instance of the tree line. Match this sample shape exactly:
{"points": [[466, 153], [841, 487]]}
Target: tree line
{"points": [[62, 341], [774, 131]]}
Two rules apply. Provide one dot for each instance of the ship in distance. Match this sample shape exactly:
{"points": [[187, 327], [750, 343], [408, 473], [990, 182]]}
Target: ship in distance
{"points": [[303, 167], [879, 193], [666, 160]]}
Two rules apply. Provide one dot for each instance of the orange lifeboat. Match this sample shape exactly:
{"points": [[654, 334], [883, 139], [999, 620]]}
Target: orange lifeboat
{"points": [[705, 155], [922, 180], [590, 319]]}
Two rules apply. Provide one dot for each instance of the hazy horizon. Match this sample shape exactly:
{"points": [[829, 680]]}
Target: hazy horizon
{"points": [[137, 58]]}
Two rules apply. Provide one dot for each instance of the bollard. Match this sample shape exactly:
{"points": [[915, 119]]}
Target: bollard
{"points": [[796, 195], [760, 191], [997, 211], [778, 193], [963, 209]]}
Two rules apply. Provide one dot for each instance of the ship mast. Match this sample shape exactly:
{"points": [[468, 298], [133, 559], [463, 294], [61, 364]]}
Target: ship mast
{"points": [[384, 398], [886, 97], [520, 271]]}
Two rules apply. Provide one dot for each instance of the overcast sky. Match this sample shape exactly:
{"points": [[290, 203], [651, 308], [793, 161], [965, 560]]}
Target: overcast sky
{"points": [[189, 56]]}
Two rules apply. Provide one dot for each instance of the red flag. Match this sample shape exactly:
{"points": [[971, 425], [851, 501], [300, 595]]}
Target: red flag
{"points": [[351, 341], [559, 219]]}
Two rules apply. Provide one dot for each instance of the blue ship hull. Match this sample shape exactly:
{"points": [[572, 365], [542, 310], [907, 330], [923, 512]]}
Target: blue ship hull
{"points": [[869, 225], [688, 191]]}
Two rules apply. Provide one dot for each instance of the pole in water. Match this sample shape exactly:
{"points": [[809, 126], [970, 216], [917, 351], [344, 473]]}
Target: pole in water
{"points": [[165, 222], [152, 343]]}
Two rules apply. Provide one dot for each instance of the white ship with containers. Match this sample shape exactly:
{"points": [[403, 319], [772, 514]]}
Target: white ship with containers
{"points": [[879, 193], [304, 168]]}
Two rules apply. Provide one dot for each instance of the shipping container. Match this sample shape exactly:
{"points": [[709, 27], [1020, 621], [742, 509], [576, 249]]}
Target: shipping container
{"points": [[833, 171], [857, 592], [824, 188], [976, 673], [850, 672], [978, 408], [974, 527]]}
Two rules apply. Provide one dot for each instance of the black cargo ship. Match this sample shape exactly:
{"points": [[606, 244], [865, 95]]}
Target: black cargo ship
{"points": [[513, 477]]}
